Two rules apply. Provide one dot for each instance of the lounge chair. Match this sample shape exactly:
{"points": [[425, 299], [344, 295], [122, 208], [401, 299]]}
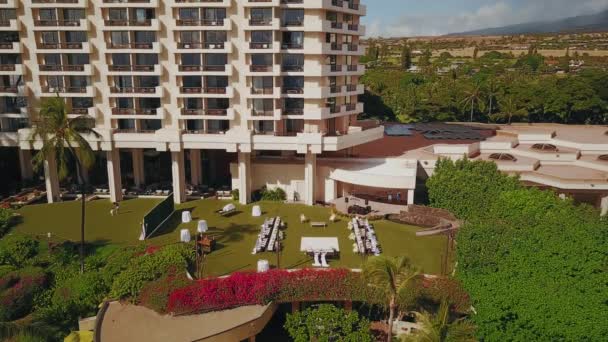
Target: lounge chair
{"points": [[230, 208]]}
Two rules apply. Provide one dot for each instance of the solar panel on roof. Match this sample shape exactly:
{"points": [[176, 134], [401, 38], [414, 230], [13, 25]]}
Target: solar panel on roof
{"points": [[398, 130]]}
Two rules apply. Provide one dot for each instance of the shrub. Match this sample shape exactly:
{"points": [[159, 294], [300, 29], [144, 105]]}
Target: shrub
{"points": [[261, 288], [235, 194], [155, 294], [327, 323], [150, 267], [17, 249], [6, 220], [276, 195], [450, 289], [16, 301]]}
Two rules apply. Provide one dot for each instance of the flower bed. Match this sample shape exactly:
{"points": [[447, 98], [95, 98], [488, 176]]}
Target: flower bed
{"points": [[261, 288]]}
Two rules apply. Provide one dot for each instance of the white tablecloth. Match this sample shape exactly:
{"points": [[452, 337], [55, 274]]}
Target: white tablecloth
{"points": [[202, 226], [256, 211], [319, 244], [263, 265], [186, 217], [184, 235]]}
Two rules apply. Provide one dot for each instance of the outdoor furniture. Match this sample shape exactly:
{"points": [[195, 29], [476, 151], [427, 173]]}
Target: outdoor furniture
{"points": [[332, 218], [202, 226], [256, 211], [186, 217], [318, 224], [230, 208], [319, 244], [184, 235], [324, 260], [263, 266], [316, 258], [303, 218]]}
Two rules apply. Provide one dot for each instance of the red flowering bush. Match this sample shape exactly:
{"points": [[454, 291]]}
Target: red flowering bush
{"points": [[155, 294], [438, 288], [17, 298], [260, 288]]}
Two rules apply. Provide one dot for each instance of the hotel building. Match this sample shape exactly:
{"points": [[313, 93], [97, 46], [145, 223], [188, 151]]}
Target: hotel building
{"points": [[242, 94]]}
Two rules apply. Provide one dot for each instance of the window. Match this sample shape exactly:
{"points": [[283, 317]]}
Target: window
{"points": [[261, 36], [190, 37], [145, 37], [214, 14], [293, 82], [292, 106], [259, 83], [503, 157], [50, 37], [47, 14], [263, 105], [82, 102], [261, 59], [148, 81], [294, 126], [215, 36], [76, 37], [123, 81], [191, 59], [191, 103], [52, 59], [124, 102], [78, 81], [146, 59], [73, 14], [119, 37], [332, 16], [293, 40], [78, 58], [218, 103], [192, 82], [603, 157], [545, 147], [188, 13], [293, 60], [54, 82], [119, 14], [293, 17], [216, 59], [261, 16], [216, 81], [7, 14]]}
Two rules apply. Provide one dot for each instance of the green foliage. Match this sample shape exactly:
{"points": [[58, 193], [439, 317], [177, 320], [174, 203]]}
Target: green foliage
{"points": [[155, 294], [20, 287], [441, 327], [6, 220], [531, 262], [467, 188], [149, 267], [531, 62], [327, 323], [17, 249], [276, 195], [235, 194]]}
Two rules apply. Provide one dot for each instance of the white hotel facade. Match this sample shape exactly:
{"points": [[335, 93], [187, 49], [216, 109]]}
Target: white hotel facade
{"points": [[242, 94]]}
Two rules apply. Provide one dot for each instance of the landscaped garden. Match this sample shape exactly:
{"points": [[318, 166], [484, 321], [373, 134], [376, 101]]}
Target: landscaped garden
{"points": [[235, 234]]}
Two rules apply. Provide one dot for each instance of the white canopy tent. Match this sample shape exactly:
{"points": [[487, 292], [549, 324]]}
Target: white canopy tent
{"points": [[387, 173]]}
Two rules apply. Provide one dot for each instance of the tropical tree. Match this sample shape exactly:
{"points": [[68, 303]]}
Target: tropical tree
{"points": [[440, 328], [327, 323], [472, 98], [406, 57], [492, 90], [391, 276], [63, 140], [509, 108]]}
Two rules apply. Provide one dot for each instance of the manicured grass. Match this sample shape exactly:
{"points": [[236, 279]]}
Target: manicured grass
{"points": [[236, 234]]}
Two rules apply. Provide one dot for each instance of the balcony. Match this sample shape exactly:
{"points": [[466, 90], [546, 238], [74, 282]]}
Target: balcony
{"points": [[263, 47], [136, 91], [268, 114], [264, 93], [84, 69], [206, 92], [197, 70], [14, 47], [68, 91], [211, 114], [64, 47], [10, 25], [12, 69], [203, 24], [55, 3], [129, 3], [263, 70], [15, 113], [76, 112], [261, 3], [137, 113], [61, 25], [317, 69], [291, 46], [147, 47], [261, 24], [12, 90], [200, 47], [200, 3], [131, 25], [135, 70], [356, 135]]}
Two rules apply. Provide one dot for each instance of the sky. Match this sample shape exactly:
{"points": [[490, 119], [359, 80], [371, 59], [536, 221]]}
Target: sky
{"points": [[399, 18]]}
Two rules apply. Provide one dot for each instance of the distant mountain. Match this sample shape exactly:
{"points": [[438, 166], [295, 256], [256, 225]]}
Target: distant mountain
{"points": [[585, 23]]}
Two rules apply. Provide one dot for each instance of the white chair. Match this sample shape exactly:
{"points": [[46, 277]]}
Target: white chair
{"points": [[332, 218], [202, 226], [263, 266], [351, 236], [184, 235], [323, 260], [186, 217], [316, 263], [303, 218], [256, 211]]}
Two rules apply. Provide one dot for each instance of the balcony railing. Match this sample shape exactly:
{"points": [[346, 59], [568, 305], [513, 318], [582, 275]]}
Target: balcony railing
{"points": [[9, 89], [292, 23], [261, 45], [351, 87], [63, 89], [130, 45], [50, 23], [127, 1], [293, 90], [336, 25], [134, 111], [292, 45], [131, 67], [55, 1], [293, 111], [200, 22], [260, 22], [350, 107], [202, 68], [198, 45], [203, 90], [77, 45], [134, 130], [292, 1], [260, 68], [5, 46], [293, 68], [135, 90], [7, 67], [198, 1], [335, 68], [121, 22], [79, 111], [262, 112], [207, 112], [262, 91], [61, 67]]}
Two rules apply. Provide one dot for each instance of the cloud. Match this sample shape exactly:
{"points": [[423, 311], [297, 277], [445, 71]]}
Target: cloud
{"points": [[491, 14]]}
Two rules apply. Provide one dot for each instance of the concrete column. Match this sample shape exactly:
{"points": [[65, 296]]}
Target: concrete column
{"points": [[114, 175], [604, 206], [25, 164], [195, 167], [179, 176], [310, 172], [410, 196], [331, 190], [51, 180], [244, 177], [138, 167]]}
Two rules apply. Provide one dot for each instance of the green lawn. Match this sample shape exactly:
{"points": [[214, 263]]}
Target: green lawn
{"points": [[236, 234]]}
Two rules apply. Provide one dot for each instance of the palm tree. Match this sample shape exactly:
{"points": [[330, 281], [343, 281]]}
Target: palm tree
{"points": [[391, 276], [63, 141], [509, 108], [492, 90], [439, 328], [472, 98]]}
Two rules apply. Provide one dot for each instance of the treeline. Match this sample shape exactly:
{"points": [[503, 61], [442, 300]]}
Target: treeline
{"points": [[515, 96]]}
